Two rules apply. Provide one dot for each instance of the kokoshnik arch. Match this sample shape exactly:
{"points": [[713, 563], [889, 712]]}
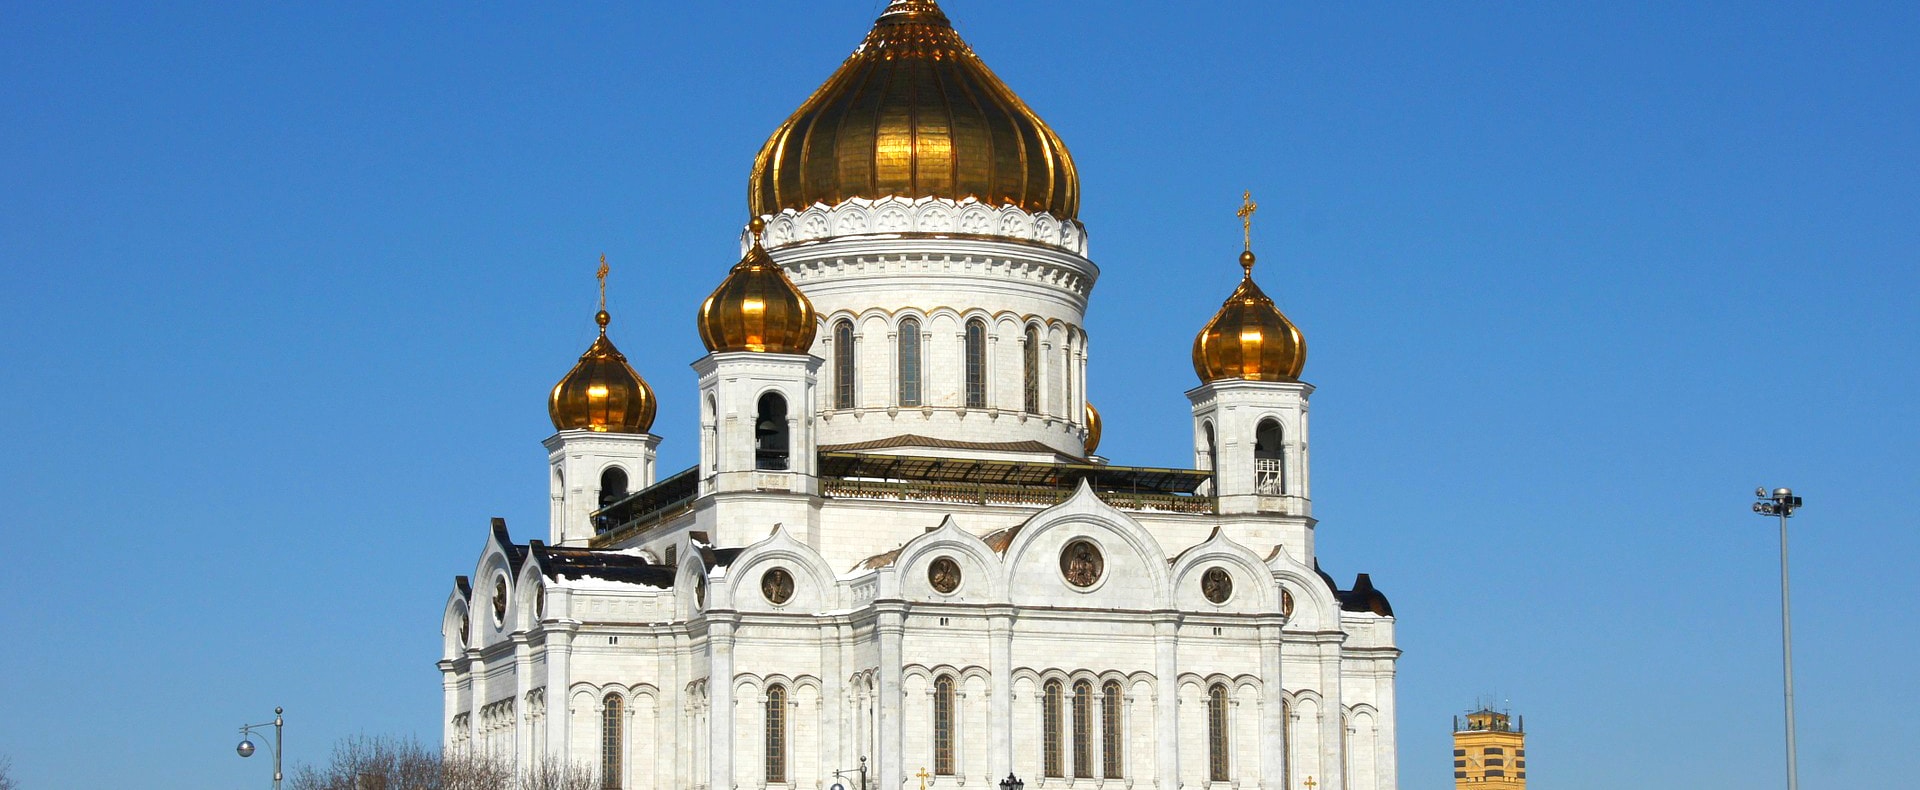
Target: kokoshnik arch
{"points": [[899, 543]]}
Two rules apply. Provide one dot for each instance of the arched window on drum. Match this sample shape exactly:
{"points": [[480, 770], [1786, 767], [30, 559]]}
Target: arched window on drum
{"points": [[843, 364], [910, 362], [976, 362]]}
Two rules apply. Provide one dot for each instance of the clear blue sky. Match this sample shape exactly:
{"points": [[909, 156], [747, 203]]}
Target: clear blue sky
{"points": [[283, 286]]}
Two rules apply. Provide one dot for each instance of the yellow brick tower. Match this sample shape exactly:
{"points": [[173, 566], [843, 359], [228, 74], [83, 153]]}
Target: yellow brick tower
{"points": [[1490, 753]]}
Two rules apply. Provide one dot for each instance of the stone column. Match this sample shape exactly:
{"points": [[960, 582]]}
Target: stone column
{"points": [[1166, 641], [1000, 696], [1273, 724], [891, 629], [720, 633], [559, 664], [523, 747]]}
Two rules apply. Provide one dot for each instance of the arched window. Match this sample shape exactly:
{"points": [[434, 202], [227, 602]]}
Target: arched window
{"points": [[943, 725], [1269, 463], [610, 740], [976, 364], [1030, 364], [843, 364], [1217, 732], [1110, 754], [770, 433], [909, 362], [776, 734], [613, 485], [1050, 730], [1082, 730], [1066, 371], [1286, 743]]}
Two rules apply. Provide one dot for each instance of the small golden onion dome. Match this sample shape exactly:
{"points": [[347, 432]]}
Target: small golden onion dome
{"points": [[1249, 338], [602, 393], [757, 308], [1093, 429], [914, 113]]}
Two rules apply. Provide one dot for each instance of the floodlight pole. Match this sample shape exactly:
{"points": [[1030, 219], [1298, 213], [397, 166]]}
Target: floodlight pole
{"points": [[1781, 502]]}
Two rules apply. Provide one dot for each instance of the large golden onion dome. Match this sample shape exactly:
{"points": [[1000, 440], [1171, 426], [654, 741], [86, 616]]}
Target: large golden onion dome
{"points": [[602, 393], [1249, 338], [914, 113], [757, 308]]}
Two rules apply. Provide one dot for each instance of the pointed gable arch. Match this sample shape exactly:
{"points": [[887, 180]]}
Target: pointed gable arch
{"points": [[1314, 607], [981, 577], [1132, 559], [815, 588], [1253, 589]]}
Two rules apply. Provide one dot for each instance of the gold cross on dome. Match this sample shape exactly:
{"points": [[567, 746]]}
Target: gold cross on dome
{"points": [[924, 776], [1247, 207], [602, 275], [1310, 783]]}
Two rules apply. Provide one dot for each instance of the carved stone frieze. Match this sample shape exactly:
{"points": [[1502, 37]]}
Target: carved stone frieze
{"points": [[894, 215]]}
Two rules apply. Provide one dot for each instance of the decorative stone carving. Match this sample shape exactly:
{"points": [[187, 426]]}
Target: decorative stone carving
{"points": [[857, 216], [1081, 563], [944, 575], [1216, 584], [777, 586], [500, 600], [1286, 602]]}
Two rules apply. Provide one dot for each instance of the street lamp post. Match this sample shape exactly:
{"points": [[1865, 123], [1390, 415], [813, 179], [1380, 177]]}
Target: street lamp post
{"points": [[1781, 502], [246, 748]]}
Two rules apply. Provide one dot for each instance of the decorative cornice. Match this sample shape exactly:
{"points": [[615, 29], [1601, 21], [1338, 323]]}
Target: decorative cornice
{"points": [[936, 217]]}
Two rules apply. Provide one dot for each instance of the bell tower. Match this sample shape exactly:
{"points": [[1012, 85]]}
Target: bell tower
{"points": [[1250, 410], [601, 449], [757, 394]]}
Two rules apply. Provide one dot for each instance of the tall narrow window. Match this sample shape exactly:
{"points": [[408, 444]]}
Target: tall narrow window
{"points": [[1030, 363], [1066, 372], [909, 362], [1050, 730], [770, 438], [776, 734], [1217, 732], [1083, 730], [1269, 460], [843, 364], [976, 364], [610, 738], [943, 726], [1110, 754], [1286, 743]]}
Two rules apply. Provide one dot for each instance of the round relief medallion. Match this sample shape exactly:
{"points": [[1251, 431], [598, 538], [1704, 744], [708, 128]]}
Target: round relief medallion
{"points": [[1081, 563], [500, 600], [1286, 602], [944, 575], [1216, 584], [700, 593], [465, 627], [777, 586]]}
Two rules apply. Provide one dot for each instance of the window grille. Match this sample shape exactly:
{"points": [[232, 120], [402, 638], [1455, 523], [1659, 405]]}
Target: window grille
{"points": [[943, 726], [1050, 730], [1217, 733], [976, 364], [843, 365], [1031, 363], [610, 741], [1110, 754], [776, 734]]}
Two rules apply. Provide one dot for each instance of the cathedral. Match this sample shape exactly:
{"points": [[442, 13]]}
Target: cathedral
{"points": [[899, 558]]}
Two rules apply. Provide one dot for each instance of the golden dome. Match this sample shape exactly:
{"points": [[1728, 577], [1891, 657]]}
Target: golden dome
{"points": [[914, 113], [602, 393], [1093, 429], [1249, 338], [757, 308]]}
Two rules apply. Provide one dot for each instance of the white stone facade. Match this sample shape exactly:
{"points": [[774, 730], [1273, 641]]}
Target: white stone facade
{"points": [[895, 552]]}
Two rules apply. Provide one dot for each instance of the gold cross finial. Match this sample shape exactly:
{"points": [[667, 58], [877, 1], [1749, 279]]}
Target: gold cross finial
{"points": [[602, 275], [1310, 783], [1247, 207], [924, 776]]}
